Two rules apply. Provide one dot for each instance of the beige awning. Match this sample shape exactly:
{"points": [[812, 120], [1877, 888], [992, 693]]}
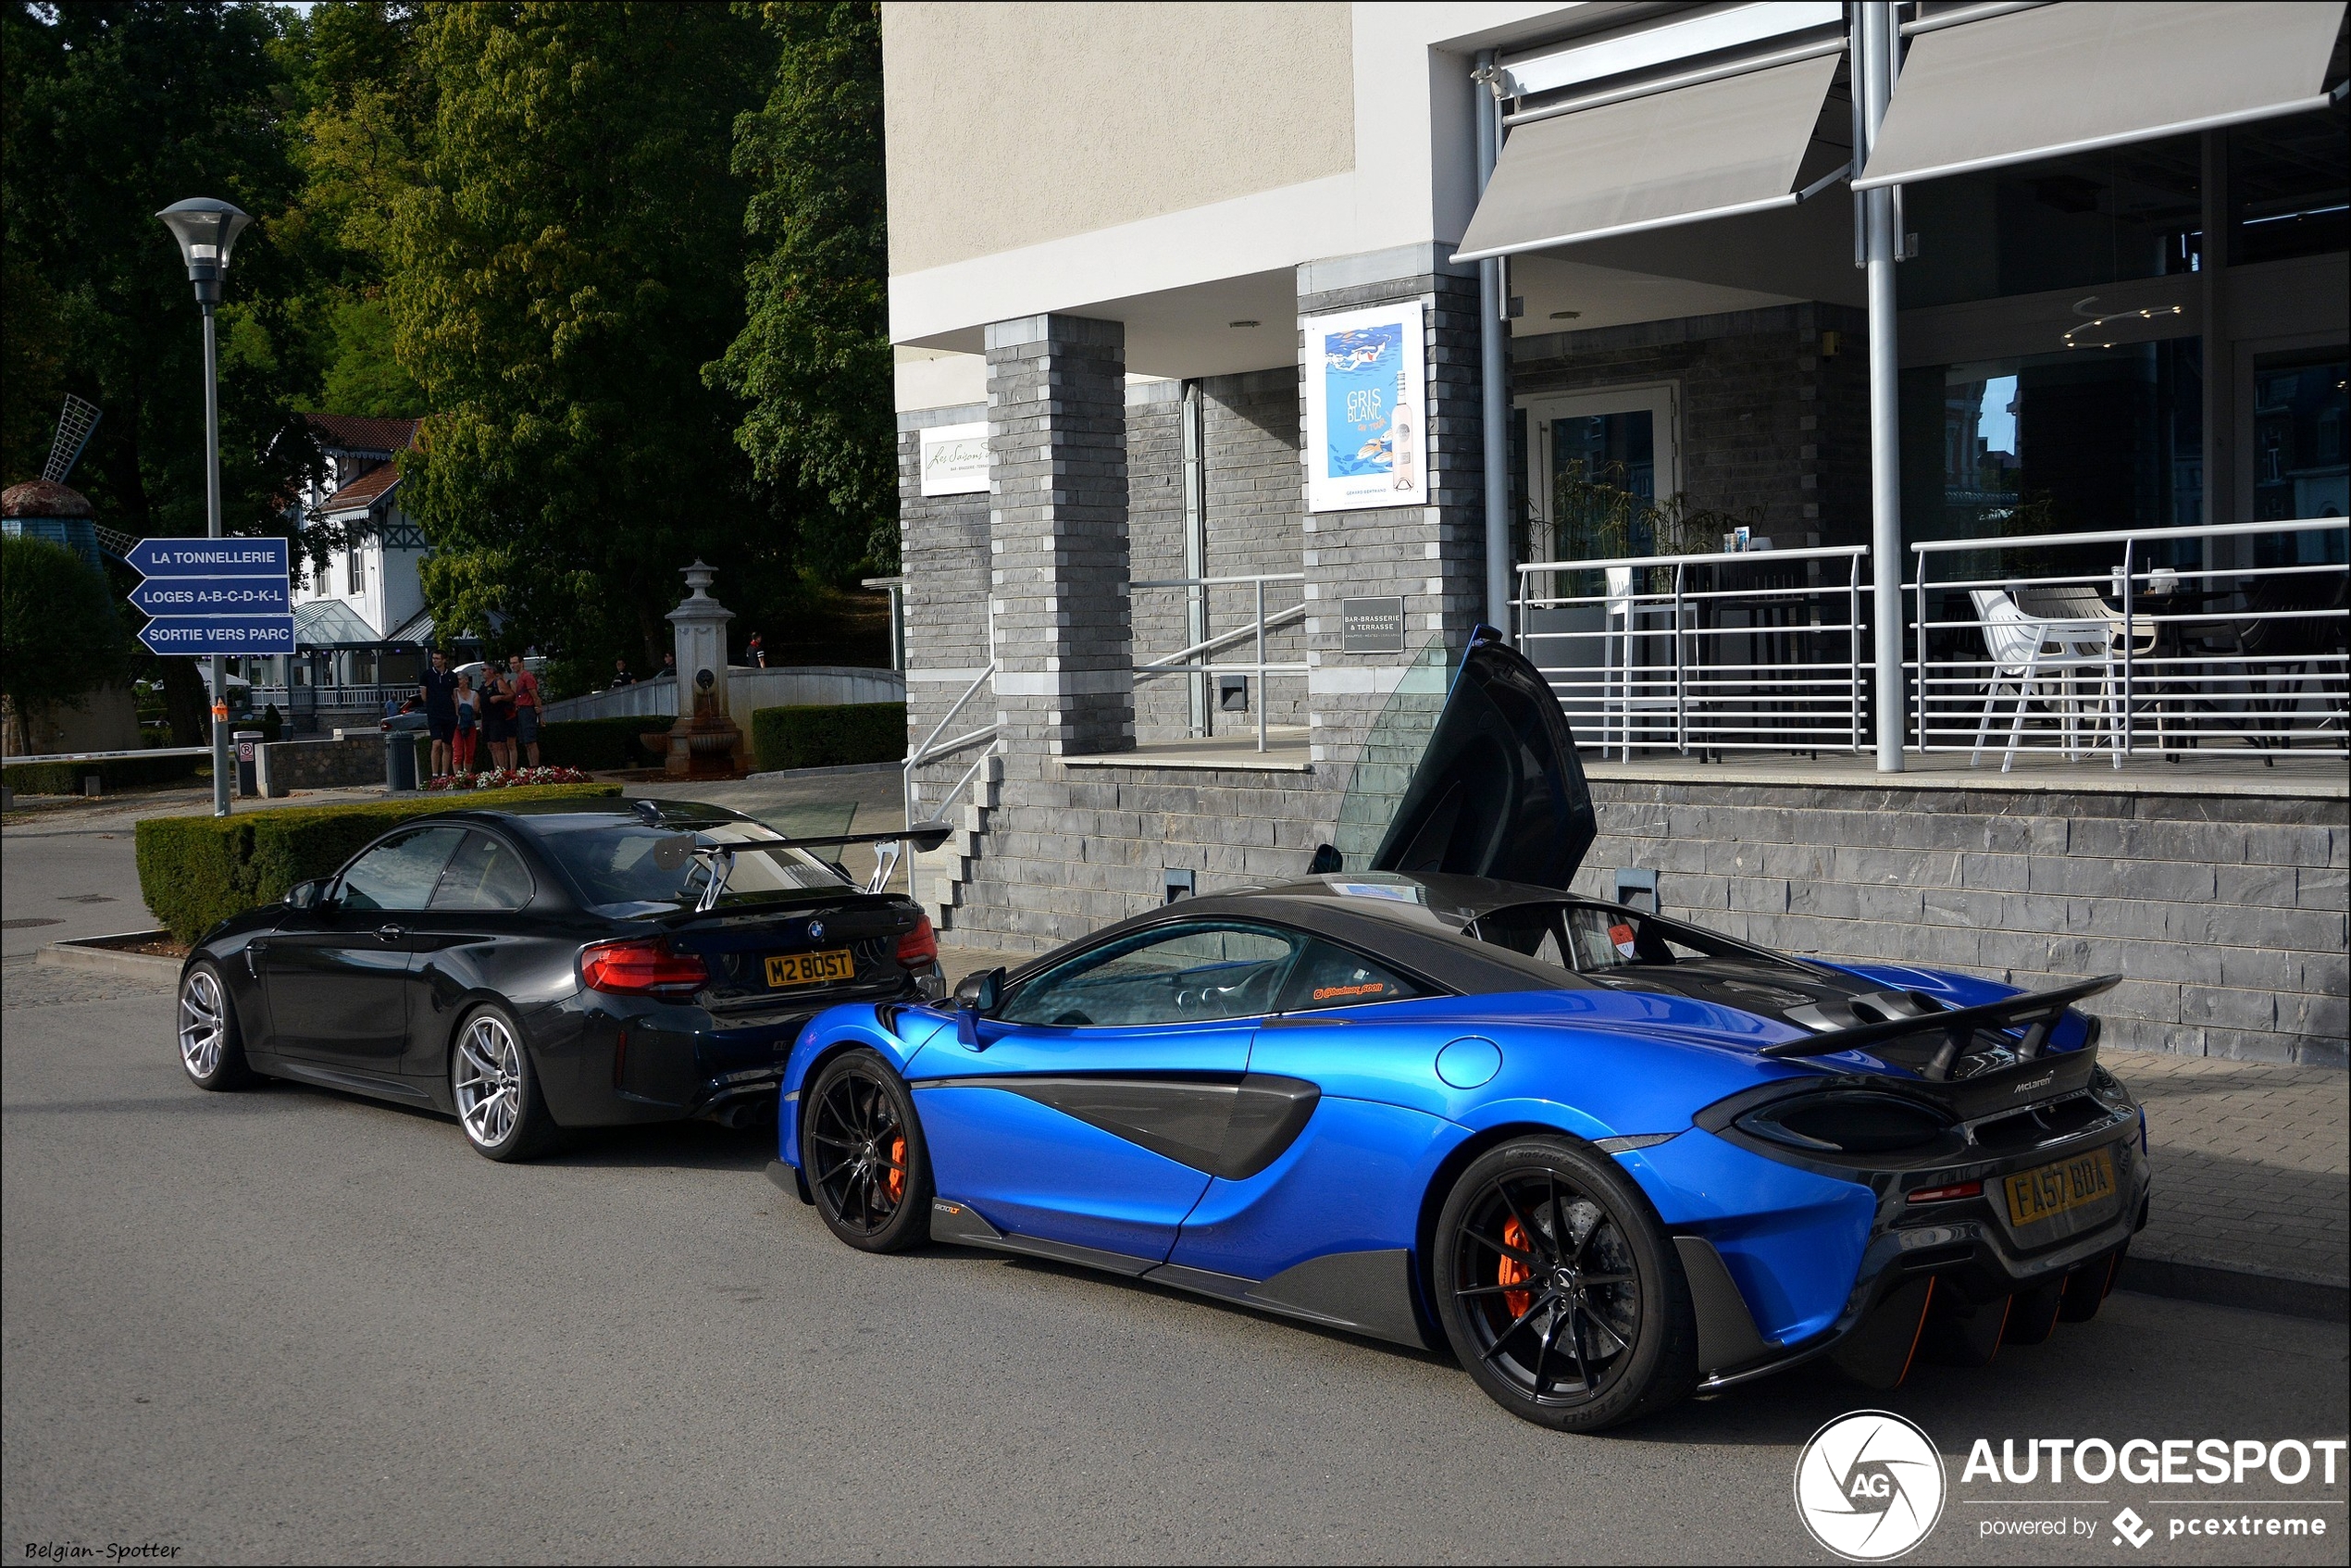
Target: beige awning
{"points": [[2084, 74], [1710, 150]]}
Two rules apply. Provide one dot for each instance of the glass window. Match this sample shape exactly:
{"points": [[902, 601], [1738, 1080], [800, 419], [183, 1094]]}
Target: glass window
{"points": [[2062, 223], [1329, 976], [483, 874], [2077, 439], [622, 866], [2290, 187], [2300, 468], [1191, 973], [399, 873], [1591, 938]]}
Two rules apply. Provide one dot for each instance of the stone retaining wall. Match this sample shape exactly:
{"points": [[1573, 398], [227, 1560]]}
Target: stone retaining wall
{"points": [[2225, 913]]}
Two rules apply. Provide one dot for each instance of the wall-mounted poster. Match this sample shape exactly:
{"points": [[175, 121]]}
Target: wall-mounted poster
{"points": [[955, 459], [1366, 400]]}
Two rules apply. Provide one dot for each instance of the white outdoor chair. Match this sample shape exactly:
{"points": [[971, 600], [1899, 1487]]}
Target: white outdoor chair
{"points": [[1629, 699], [2040, 660]]}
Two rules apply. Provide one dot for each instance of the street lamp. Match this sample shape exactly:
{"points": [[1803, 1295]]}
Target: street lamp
{"points": [[208, 231]]}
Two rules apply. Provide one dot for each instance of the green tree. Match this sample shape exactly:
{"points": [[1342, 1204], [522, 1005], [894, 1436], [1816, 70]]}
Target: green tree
{"points": [[59, 634], [814, 358], [570, 256], [112, 111]]}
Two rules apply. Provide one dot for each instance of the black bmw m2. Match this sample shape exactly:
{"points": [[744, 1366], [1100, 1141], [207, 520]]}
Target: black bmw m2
{"points": [[567, 964]]}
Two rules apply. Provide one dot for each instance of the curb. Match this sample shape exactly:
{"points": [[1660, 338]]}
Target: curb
{"points": [[2249, 1289], [826, 772], [89, 952]]}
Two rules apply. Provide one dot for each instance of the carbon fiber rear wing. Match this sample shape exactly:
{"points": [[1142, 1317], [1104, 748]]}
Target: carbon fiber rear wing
{"points": [[2037, 1011]]}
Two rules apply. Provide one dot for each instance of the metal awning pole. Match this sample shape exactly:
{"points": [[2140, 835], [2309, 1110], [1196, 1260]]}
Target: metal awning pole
{"points": [[1493, 345], [1873, 73]]}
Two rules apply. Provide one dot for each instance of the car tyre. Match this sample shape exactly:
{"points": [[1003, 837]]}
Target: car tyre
{"points": [[212, 1048], [496, 1089], [862, 1151], [1559, 1290]]}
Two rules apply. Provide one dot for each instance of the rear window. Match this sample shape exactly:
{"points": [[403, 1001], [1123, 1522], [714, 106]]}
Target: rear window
{"points": [[1592, 938], [618, 871]]}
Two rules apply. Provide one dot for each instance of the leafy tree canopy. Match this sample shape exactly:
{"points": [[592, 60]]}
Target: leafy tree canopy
{"points": [[59, 634]]}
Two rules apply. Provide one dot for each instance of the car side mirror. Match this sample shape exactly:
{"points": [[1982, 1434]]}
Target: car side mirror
{"points": [[305, 895], [976, 998]]}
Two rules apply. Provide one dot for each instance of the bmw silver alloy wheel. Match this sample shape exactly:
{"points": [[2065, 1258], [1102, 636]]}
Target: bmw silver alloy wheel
{"points": [[203, 1023], [489, 1080]]}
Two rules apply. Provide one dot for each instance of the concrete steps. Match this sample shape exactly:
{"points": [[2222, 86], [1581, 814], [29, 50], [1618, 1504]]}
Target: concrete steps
{"points": [[940, 876]]}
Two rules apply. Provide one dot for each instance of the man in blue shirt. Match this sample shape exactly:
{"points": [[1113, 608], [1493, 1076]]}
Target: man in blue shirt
{"points": [[439, 689]]}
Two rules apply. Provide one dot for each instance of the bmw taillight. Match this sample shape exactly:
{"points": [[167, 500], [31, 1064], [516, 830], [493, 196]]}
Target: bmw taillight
{"points": [[919, 946], [641, 968]]}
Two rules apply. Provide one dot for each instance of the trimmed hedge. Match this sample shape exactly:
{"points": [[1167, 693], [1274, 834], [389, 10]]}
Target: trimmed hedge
{"points": [[828, 735], [65, 777], [197, 871], [597, 742]]}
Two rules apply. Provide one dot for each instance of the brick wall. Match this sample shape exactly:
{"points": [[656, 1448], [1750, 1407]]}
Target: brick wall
{"points": [[943, 547], [2226, 911], [1769, 423]]}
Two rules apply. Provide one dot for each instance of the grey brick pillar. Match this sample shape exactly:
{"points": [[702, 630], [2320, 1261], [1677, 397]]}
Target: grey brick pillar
{"points": [[1057, 534], [1431, 555]]}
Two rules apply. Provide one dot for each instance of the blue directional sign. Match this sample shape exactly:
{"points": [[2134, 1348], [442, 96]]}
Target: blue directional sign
{"points": [[213, 596], [219, 634], [209, 557]]}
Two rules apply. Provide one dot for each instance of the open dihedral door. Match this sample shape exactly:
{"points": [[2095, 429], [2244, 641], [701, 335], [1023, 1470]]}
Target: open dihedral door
{"points": [[1498, 792]]}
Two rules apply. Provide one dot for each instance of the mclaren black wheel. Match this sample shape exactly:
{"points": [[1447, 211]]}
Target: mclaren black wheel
{"points": [[1559, 1291], [863, 1155]]}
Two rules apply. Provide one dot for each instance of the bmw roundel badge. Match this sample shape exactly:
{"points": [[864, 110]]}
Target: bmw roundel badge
{"points": [[815, 930]]}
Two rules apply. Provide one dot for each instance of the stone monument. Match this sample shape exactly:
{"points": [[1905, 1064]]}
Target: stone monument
{"points": [[705, 743]]}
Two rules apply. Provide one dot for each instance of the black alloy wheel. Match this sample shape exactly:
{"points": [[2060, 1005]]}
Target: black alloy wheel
{"points": [[1559, 1291], [861, 1149]]}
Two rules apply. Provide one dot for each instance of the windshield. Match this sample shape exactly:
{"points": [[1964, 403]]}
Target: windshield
{"points": [[618, 871]]}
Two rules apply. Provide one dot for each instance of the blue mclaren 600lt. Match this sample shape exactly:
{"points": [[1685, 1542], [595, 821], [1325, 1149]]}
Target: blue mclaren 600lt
{"points": [[1609, 1158]]}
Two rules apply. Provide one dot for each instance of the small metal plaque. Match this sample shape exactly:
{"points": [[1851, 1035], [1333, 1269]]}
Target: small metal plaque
{"points": [[1373, 625]]}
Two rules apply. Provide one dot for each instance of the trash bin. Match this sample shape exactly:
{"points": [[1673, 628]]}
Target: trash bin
{"points": [[400, 750], [248, 761]]}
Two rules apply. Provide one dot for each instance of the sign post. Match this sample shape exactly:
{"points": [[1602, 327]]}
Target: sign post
{"points": [[211, 598]]}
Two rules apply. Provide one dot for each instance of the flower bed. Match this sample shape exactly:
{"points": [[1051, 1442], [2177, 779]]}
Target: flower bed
{"points": [[508, 779]]}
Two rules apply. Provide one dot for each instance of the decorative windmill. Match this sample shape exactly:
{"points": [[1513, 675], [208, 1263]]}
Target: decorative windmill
{"points": [[75, 427]]}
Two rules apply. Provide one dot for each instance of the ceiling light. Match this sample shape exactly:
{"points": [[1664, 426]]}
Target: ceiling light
{"points": [[1240, 323], [1565, 314]]}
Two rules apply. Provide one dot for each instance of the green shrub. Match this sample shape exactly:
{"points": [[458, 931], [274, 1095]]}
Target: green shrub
{"points": [[597, 742], [65, 777], [197, 871], [831, 736]]}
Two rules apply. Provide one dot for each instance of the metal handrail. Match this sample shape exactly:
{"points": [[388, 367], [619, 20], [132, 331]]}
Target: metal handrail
{"points": [[1257, 629], [929, 750], [1716, 704], [2232, 702]]}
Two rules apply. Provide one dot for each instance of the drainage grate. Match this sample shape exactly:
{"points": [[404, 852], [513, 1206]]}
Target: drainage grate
{"points": [[88, 898], [25, 925]]}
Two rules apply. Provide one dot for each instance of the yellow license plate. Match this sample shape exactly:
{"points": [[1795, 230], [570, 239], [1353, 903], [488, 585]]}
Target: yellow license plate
{"points": [[808, 968], [2049, 1191]]}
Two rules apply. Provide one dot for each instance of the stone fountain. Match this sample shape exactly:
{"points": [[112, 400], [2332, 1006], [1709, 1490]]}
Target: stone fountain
{"points": [[705, 743]]}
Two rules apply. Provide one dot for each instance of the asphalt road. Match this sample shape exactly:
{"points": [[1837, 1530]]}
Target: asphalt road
{"points": [[288, 1324]]}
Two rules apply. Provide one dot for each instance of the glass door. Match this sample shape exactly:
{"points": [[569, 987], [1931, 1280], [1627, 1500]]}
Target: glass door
{"points": [[1596, 463]]}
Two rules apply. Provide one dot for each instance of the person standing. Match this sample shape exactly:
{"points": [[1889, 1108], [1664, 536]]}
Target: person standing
{"points": [[468, 716], [497, 718], [757, 649], [669, 667], [438, 688], [620, 676], [526, 689]]}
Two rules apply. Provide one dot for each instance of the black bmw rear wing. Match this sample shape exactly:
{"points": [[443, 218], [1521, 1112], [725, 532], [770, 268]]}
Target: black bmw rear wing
{"points": [[2038, 1012], [670, 853]]}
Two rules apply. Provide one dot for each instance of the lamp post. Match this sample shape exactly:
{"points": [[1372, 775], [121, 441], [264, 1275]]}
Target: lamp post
{"points": [[208, 231]]}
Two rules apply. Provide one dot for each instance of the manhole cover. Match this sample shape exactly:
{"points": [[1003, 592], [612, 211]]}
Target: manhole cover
{"points": [[22, 925], [87, 898]]}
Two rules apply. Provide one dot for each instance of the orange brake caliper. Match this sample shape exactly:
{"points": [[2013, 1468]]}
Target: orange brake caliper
{"points": [[1511, 1271], [897, 1182]]}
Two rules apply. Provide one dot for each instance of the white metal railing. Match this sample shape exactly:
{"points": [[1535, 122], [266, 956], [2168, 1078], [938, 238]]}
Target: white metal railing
{"points": [[1755, 650], [1200, 658], [2177, 638], [932, 749], [370, 697]]}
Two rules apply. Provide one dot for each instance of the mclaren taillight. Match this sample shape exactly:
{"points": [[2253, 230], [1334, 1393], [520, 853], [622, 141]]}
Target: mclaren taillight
{"points": [[641, 968], [1850, 1123], [919, 946]]}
